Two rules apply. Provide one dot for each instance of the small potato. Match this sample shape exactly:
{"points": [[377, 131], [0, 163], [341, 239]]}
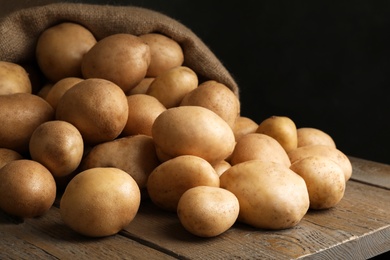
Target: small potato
{"points": [[193, 130], [121, 58], [143, 110], [60, 50], [8, 155], [20, 114], [217, 97], [13, 79], [165, 53], [324, 180], [221, 167], [171, 86], [323, 150], [243, 126], [282, 129], [141, 87], [168, 181], [207, 211], [44, 90], [312, 136], [96, 107], [257, 146], [59, 88], [271, 196]]}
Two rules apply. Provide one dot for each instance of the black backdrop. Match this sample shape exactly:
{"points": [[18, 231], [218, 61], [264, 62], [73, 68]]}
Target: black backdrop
{"points": [[325, 64]]}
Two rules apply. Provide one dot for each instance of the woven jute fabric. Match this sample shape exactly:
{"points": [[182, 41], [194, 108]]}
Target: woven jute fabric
{"points": [[20, 30]]}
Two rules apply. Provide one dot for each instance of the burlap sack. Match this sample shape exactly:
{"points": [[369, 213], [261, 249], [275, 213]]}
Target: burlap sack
{"points": [[20, 30]]}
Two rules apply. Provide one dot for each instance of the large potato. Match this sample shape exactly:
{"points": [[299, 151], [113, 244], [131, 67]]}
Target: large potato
{"points": [[271, 196], [13, 79], [168, 181], [312, 136], [193, 130], [20, 114]]}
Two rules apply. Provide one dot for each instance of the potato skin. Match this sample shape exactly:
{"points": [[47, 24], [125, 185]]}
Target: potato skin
{"points": [[8, 155], [313, 136], [13, 79], [243, 126]]}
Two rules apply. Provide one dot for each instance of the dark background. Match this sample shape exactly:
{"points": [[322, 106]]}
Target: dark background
{"points": [[324, 64]]}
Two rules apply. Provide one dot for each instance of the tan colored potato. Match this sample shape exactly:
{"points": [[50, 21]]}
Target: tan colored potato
{"points": [[207, 211], [193, 130], [27, 188], [44, 90], [324, 180], [282, 129], [221, 167], [171, 86], [58, 146], [257, 146], [8, 155], [20, 114], [96, 107], [143, 110], [271, 196], [100, 202], [243, 126], [59, 88], [135, 155], [13, 79], [168, 181], [312, 136], [60, 50], [165, 53], [121, 58], [217, 97], [323, 150], [141, 87]]}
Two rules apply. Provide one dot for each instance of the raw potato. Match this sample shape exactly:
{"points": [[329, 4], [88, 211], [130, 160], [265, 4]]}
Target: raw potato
{"points": [[143, 110], [60, 50], [96, 107], [323, 150], [221, 167], [57, 145], [59, 88], [271, 196], [8, 155], [243, 126], [207, 211], [121, 58], [27, 188], [13, 79], [171, 86], [312, 136], [165, 53], [135, 155], [282, 129], [141, 87], [192, 130], [217, 97], [324, 180], [257, 146], [20, 114], [100, 202], [168, 181]]}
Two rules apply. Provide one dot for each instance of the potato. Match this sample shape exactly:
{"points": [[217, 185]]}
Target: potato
{"points": [[260, 147], [221, 167], [207, 211], [27, 188], [44, 90], [59, 88], [20, 114], [100, 202], [282, 129], [60, 50], [96, 107], [324, 180], [13, 79], [312, 136], [121, 58], [171, 86], [165, 53], [58, 146], [217, 97], [168, 181], [143, 110], [323, 150], [141, 87], [135, 155], [8, 155], [193, 130], [271, 196], [243, 126]]}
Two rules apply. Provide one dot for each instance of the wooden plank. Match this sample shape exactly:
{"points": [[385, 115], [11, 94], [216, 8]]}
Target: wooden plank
{"points": [[370, 172]]}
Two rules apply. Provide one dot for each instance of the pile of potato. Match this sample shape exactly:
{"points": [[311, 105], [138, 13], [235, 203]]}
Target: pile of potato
{"points": [[121, 120]]}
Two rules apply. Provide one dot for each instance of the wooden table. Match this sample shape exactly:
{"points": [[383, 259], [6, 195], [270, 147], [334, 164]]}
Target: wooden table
{"points": [[357, 228]]}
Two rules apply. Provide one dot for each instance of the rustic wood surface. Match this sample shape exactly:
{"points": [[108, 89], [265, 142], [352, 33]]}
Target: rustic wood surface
{"points": [[357, 228]]}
